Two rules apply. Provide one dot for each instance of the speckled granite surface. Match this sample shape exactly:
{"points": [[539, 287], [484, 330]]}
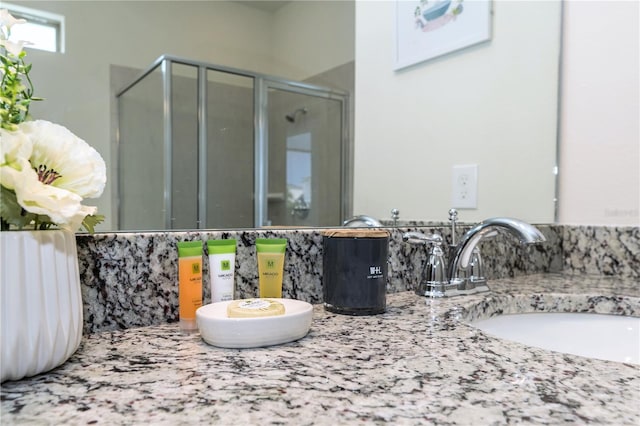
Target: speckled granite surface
{"points": [[602, 250], [131, 279], [419, 363]]}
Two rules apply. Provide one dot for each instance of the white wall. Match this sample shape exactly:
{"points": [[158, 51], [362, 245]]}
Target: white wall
{"points": [[494, 104], [600, 129]]}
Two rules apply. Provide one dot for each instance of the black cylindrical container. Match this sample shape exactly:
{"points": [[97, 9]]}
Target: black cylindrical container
{"points": [[354, 271]]}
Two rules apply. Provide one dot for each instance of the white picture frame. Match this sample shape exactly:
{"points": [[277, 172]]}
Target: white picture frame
{"points": [[431, 28]]}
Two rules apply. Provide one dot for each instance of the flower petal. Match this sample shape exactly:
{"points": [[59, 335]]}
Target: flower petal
{"points": [[10, 175], [62, 206], [7, 20], [13, 47], [14, 145], [81, 167]]}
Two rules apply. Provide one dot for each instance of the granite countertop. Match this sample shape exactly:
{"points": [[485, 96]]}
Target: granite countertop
{"points": [[417, 363]]}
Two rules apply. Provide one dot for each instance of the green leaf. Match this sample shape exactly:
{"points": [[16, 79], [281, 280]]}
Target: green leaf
{"points": [[10, 211], [89, 223]]}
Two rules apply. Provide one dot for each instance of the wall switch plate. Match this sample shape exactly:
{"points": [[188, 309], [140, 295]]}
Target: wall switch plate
{"points": [[465, 187]]}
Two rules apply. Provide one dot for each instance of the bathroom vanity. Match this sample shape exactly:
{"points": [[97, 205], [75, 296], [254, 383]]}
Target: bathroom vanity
{"points": [[420, 362]]}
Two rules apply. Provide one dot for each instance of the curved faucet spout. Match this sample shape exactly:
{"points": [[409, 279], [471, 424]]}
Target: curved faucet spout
{"points": [[362, 220], [526, 234]]}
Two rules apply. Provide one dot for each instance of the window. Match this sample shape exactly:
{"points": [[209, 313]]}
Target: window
{"points": [[299, 173], [43, 30]]}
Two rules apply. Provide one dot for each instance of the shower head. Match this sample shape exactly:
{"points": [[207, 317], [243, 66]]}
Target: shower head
{"points": [[291, 118]]}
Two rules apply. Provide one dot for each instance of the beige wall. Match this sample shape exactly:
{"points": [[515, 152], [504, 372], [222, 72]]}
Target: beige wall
{"points": [[395, 130], [103, 33], [493, 104], [311, 37], [600, 139], [134, 33], [410, 118]]}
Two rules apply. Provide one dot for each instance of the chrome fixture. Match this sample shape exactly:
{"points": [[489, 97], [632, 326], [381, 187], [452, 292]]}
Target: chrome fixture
{"points": [[167, 67], [464, 269], [453, 218], [300, 208], [395, 215], [434, 276], [362, 220], [291, 118]]}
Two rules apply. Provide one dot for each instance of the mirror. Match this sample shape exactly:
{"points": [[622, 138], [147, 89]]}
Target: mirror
{"points": [[473, 106]]}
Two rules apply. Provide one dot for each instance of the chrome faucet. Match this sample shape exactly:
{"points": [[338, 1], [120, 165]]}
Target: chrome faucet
{"points": [[362, 221], [464, 271]]}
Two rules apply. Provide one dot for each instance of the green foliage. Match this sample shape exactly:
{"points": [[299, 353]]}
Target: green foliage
{"points": [[11, 212], [13, 215], [89, 223], [16, 89]]}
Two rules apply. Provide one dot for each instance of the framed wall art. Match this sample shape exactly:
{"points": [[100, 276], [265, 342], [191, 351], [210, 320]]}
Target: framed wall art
{"points": [[425, 29]]}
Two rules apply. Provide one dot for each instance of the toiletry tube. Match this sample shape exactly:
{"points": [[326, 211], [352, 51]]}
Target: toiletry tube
{"points": [[222, 265], [271, 265], [189, 282]]}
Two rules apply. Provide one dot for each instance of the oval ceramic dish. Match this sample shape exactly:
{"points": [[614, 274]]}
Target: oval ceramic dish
{"points": [[217, 329]]}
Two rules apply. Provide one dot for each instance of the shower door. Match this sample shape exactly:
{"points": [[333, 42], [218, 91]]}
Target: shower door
{"points": [[205, 146], [228, 195], [306, 151]]}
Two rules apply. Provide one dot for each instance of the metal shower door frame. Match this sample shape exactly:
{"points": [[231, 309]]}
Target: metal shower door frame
{"points": [[261, 125], [262, 84]]}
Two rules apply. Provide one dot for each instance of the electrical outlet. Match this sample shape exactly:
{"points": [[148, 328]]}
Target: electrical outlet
{"points": [[465, 187]]}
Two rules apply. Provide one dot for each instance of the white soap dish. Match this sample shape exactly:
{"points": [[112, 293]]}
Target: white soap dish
{"points": [[217, 329]]}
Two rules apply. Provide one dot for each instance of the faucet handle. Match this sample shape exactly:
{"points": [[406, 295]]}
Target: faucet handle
{"points": [[436, 269], [434, 279], [453, 218], [476, 268], [395, 215], [418, 238]]}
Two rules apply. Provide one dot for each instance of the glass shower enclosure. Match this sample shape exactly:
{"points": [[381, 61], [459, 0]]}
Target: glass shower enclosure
{"points": [[206, 146]]}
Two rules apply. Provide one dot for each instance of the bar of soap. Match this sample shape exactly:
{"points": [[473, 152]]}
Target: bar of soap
{"points": [[254, 308]]}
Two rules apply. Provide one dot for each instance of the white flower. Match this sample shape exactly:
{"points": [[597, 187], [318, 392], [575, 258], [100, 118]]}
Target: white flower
{"points": [[15, 48], [8, 21], [65, 161], [51, 170], [13, 145], [63, 207], [45, 170]]}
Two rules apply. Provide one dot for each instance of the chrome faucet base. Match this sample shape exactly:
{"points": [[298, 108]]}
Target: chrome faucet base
{"points": [[456, 288], [465, 271], [435, 289]]}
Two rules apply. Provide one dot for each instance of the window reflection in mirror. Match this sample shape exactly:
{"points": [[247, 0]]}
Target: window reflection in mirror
{"points": [[299, 175]]}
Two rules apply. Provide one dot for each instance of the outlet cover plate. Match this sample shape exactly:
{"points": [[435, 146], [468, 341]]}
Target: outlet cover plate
{"points": [[464, 181]]}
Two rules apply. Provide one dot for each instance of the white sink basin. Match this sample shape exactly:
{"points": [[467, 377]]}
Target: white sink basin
{"points": [[608, 337]]}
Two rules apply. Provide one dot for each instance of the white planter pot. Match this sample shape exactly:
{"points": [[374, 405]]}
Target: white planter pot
{"points": [[40, 300]]}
